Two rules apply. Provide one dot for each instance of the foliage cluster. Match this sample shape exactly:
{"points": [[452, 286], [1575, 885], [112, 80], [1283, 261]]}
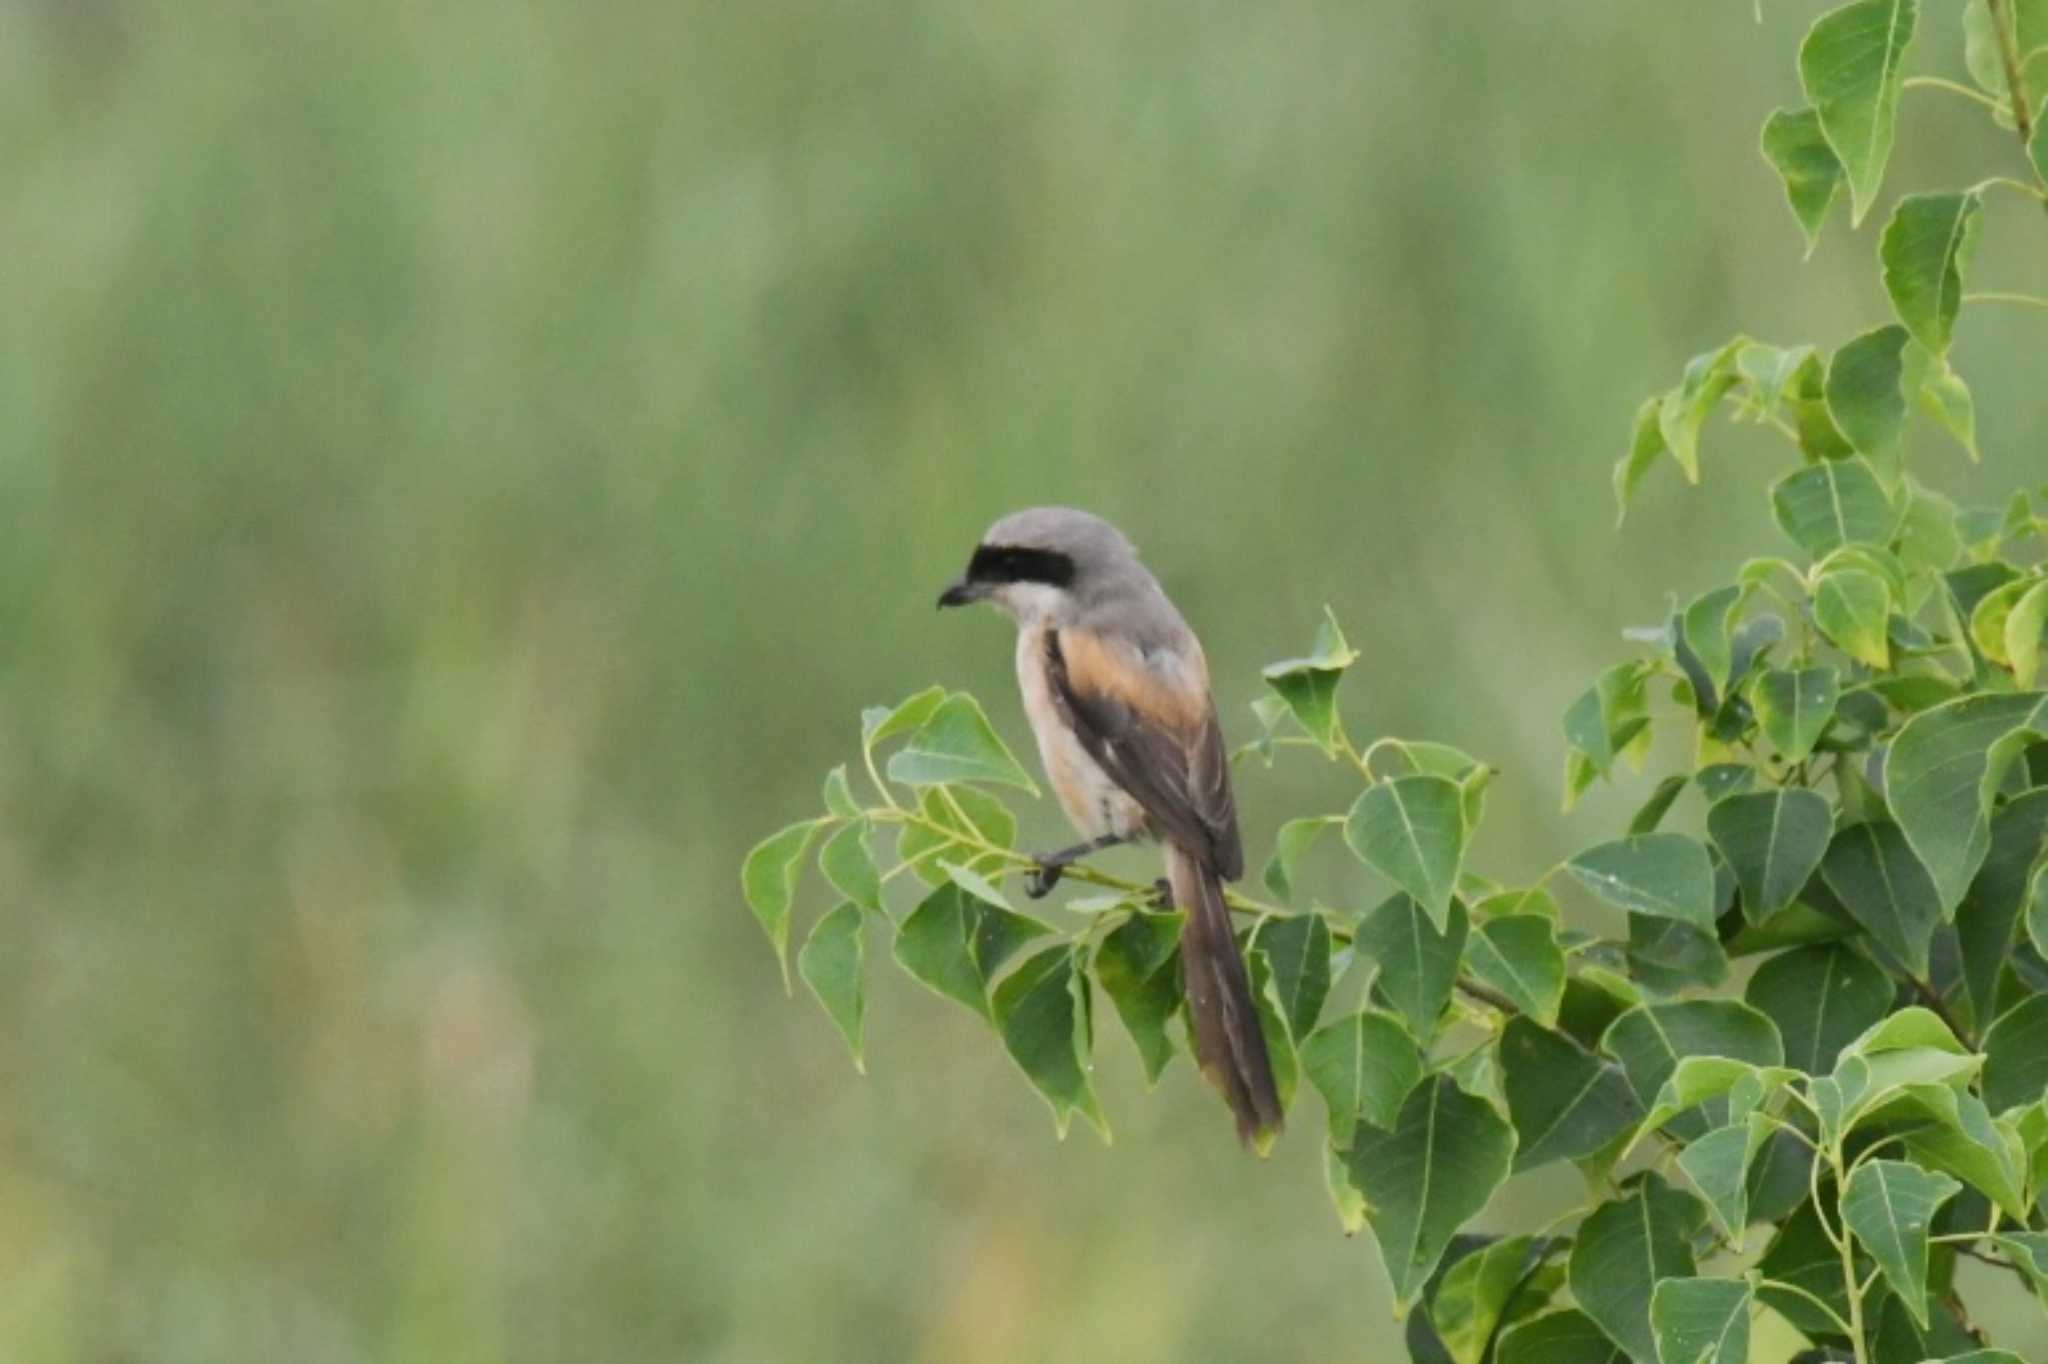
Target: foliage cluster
{"points": [[1807, 1068]]}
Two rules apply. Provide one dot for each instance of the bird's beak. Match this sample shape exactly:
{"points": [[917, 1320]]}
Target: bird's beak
{"points": [[961, 593]]}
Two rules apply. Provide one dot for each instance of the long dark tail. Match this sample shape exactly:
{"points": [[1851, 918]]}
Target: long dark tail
{"points": [[1229, 1046]]}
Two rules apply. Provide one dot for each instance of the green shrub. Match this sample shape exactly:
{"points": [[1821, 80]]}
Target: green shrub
{"points": [[1867, 799]]}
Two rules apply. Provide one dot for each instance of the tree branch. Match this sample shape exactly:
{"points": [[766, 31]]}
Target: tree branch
{"points": [[2008, 53]]}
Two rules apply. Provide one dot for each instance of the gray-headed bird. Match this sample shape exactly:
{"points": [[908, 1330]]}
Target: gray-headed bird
{"points": [[1117, 692]]}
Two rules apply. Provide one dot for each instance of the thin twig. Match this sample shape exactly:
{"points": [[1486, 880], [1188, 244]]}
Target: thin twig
{"points": [[1489, 996], [2015, 80], [2028, 300], [1954, 88]]}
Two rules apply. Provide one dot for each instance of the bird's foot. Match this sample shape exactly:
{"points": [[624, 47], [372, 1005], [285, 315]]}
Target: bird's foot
{"points": [[1162, 894], [1040, 880]]}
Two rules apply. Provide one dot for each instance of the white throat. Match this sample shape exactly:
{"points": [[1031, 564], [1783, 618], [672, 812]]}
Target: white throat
{"points": [[1032, 604]]}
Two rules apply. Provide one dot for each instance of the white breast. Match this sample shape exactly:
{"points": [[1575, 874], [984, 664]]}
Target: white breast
{"points": [[1095, 804]]}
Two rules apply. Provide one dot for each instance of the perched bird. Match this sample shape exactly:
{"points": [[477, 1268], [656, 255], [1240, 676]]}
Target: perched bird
{"points": [[1117, 692]]}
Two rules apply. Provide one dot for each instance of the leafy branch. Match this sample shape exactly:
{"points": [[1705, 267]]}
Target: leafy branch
{"points": [[1803, 990]]}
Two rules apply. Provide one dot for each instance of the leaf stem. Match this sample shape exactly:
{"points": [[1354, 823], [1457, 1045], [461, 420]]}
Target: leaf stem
{"points": [[2015, 79], [1790, 1130], [1846, 1243], [1349, 750], [1488, 996], [1954, 88], [867, 757], [2007, 182], [1812, 1297], [2026, 300]]}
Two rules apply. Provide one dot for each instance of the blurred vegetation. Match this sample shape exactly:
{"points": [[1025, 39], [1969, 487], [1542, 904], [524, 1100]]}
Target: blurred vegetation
{"points": [[464, 464]]}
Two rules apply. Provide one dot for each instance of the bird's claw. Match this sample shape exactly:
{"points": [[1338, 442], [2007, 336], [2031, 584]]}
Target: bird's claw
{"points": [[1040, 880], [1162, 894]]}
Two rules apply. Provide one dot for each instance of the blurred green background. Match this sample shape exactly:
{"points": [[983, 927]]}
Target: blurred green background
{"points": [[465, 466]]}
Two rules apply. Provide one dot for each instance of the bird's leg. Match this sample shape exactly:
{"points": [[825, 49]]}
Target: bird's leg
{"points": [[1039, 881]]}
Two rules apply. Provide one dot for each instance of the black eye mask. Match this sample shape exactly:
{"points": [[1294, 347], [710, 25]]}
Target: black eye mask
{"points": [[1010, 564]]}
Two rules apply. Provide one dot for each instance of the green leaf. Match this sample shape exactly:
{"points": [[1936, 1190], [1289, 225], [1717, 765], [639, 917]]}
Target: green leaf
{"points": [[1652, 812], [1565, 1102], [1669, 957], [1412, 831], [1651, 1039], [831, 963], [1705, 626], [1685, 409], [1138, 965], [1719, 1164], [1926, 252], [1837, 502], [1308, 685], [1646, 442], [1797, 149], [1668, 876], [2037, 909], [2023, 627], [849, 865], [2016, 1056], [1363, 1065], [1736, 1088], [1865, 395], [1345, 1195], [956, 744], [1927, 534], [1563, 1337], [1988, 618], [1957, 1134], [2029, 1251], [1483, 1291], [1290, 845], [1774, 841], [881, 723], [1519, 956], [955, 943], [1041, 1009], [768, 878], [1821, 998], [1873, 872], [1297, 948], [1851, 64], [1936, 779], [977, 885], [838, 794], [1853, 609], [1909, 1029], [1418, 964], [1424, 1178], [1888, 1204], [1721, 780], [1989, 915], [1621, 1252], [1593, 999], [1280, 1054], [1795, 708], [1701, 1321], [1608, 715]]}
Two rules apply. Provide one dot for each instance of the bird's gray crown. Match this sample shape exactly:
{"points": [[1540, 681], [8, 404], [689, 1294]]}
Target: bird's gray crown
{"points": [[1090, 542]]}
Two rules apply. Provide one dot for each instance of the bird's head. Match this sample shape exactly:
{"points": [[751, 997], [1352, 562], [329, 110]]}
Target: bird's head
{"points": [[1038, 563]]}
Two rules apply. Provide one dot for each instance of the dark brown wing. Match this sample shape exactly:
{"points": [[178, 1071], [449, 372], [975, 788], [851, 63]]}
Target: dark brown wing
{"points": [[1163, 747]]}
